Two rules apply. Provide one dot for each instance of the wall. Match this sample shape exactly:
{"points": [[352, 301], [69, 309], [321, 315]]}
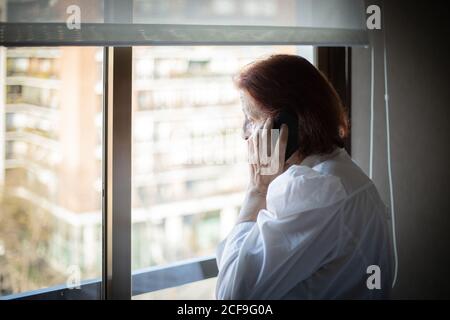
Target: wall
{"points": [[418, 80]]}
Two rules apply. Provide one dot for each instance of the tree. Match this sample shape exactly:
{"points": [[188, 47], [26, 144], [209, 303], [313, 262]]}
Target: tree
{"points": [[25, 233]]}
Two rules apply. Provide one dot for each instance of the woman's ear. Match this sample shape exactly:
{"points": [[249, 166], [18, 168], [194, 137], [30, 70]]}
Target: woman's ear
{"points": [[295, 158]]}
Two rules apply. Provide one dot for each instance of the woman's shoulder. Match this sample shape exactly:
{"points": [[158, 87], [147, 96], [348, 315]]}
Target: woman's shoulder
{"points": [[301, 188], [343, 166]]}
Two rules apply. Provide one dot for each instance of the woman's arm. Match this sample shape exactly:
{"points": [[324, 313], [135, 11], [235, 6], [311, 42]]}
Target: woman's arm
{"points": [[254, 201], [262, 174], [257, 259]]}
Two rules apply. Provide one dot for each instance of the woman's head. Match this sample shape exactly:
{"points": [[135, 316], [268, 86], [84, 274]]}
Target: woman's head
{"points": [[291, 83]]}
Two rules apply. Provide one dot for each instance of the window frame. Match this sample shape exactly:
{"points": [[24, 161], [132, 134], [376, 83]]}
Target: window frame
{"points": [[118, 281], [336, 64]]}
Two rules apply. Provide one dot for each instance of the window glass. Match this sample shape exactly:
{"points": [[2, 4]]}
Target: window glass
{"points": [[50, 170]]}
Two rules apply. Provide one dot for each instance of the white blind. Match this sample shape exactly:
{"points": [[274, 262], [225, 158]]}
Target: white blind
{"points": [[162, 22]]}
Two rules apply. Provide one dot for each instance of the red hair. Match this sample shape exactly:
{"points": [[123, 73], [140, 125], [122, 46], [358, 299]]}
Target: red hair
{"points": [[290, 82]]}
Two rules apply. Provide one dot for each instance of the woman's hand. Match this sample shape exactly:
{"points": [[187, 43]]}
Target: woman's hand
{"points": [[266, 156], [266, 164]]}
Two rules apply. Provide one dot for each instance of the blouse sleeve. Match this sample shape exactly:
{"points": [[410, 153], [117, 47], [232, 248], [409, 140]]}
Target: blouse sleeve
{"points": [[290, 240]]}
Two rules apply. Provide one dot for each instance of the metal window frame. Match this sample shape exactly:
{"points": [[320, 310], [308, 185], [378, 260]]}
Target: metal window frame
{"points": [[335, 63], [117, 141], [117, 174], [129, 34], [143, 281], [117, 280]]}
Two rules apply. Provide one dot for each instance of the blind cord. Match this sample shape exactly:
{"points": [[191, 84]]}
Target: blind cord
{"points": [[388, 142], [388, 150]]}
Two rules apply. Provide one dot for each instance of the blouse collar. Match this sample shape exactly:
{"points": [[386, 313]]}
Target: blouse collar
{"points": [[315, 159]]}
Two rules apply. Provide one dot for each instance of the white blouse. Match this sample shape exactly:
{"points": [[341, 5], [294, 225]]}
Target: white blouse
{"points": [[324, 225]]}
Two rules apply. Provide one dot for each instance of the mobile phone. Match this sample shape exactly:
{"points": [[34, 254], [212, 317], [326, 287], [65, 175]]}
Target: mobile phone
{"points": [[291, 120]]}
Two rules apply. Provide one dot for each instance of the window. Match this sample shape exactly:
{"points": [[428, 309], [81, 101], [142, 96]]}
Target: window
{"points": [[71, 165], [50, 212]]}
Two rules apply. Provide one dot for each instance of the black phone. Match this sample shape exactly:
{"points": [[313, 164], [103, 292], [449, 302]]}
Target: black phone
{"points": [[291, 120]]}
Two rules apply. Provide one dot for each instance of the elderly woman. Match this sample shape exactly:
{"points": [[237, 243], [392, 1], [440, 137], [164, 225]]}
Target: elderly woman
{"points": [[315, 226]]}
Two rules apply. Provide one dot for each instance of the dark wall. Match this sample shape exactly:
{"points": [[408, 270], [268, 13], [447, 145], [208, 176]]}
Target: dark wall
{"points": [[419, 90]]}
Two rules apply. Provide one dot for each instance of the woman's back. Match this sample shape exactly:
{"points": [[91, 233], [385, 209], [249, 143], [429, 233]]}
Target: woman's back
{"points": [[363, 241], [324, 226]]}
